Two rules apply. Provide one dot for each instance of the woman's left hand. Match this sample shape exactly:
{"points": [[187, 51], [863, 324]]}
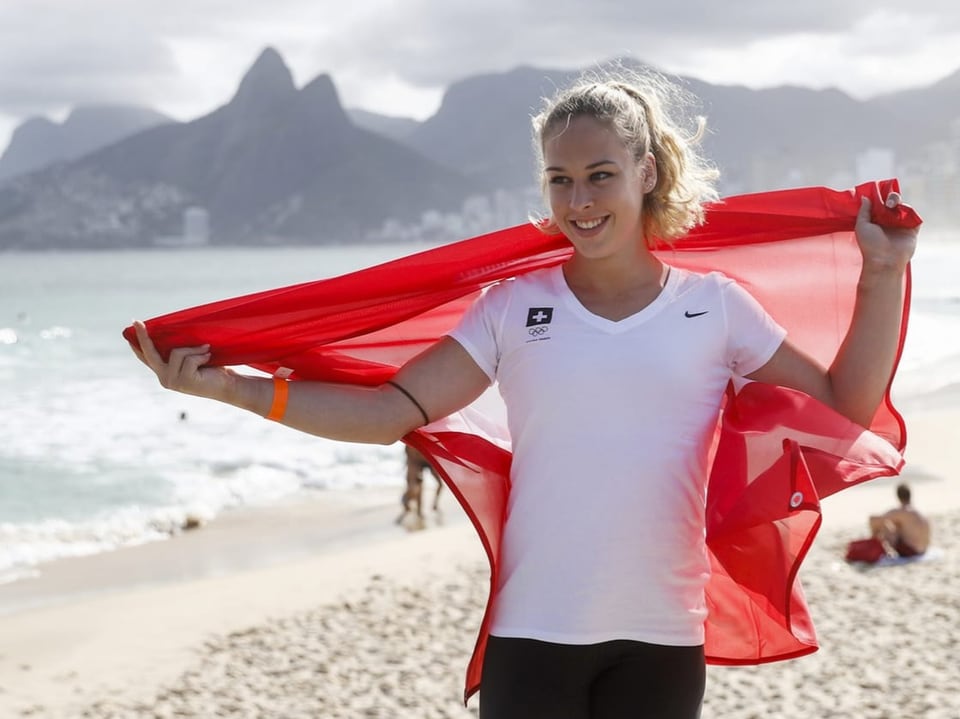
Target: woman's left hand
{"points": [[884, 249]]}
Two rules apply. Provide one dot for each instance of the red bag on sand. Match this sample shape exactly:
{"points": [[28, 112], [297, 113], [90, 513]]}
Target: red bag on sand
{"points": [[865, 550]]}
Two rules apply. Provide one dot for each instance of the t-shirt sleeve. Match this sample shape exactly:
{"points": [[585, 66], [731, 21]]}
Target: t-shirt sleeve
{"points": [[479, 329], [753, 336]]}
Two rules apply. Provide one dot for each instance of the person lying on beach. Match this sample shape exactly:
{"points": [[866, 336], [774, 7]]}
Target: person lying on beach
{"points": [[613, 367], [904, 531]]}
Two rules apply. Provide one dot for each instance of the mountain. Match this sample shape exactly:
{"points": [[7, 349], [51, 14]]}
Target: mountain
{"points": [[482, 127], [922, 113], [40, 142], [275, 164], [763, 139], [396, 128], [759, 138]]}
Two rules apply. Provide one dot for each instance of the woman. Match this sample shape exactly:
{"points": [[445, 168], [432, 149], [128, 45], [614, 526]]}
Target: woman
{"points": [[610, 362]]}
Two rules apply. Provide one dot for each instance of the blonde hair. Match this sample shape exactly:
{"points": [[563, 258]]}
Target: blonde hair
{"points": [[635, 104]]}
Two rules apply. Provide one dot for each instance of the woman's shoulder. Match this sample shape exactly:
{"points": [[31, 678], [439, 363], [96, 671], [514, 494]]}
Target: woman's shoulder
{"points": [[537, 285], [688, 279], [540, 280]]}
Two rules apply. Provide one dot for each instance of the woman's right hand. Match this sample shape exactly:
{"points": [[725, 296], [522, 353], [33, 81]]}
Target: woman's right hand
{"points": [[184, 371]]}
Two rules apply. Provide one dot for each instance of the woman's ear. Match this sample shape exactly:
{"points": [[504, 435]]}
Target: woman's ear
{"points": [[649, 173]]}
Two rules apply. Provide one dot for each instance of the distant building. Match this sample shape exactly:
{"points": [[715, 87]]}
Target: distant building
{"points": [[196, 226], [877, 163], [196, 230]]}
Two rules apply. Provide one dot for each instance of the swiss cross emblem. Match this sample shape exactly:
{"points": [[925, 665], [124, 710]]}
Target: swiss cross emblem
{"points": [[539, 316]]}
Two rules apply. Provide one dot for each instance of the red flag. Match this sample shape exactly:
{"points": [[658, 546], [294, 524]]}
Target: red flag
{"points": [[777, 451]]}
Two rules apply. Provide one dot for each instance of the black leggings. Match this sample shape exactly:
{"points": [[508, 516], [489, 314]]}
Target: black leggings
{"points": [[622, 679]]}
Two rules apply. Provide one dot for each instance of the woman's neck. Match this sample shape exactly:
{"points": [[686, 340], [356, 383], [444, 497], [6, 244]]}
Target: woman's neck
{"points": [[615, 291], [612, 277]]}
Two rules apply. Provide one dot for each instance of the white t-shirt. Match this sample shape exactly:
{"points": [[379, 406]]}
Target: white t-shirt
{"points": [[611, 424]]}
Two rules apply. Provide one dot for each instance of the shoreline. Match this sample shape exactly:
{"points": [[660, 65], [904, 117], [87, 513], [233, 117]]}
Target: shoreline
{"points": [[162, 627], [239, 540], [75, 644], [329, 520]]}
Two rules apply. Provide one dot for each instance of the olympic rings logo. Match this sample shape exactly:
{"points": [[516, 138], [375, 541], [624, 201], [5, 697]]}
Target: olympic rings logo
{"points": [[537, 331]]}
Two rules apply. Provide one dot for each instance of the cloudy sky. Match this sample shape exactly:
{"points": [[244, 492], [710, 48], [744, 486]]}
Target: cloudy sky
{"points": [[396, 56]]}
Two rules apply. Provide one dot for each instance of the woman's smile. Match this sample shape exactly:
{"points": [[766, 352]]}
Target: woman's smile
{"points": [[588, 226]]}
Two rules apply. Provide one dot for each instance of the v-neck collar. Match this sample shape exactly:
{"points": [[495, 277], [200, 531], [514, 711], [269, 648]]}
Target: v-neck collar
{"points": [[614, 326]]}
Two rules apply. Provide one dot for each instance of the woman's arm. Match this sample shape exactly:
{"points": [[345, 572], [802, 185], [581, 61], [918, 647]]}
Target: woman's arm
{"points": [[856, 381], [442, 379]]}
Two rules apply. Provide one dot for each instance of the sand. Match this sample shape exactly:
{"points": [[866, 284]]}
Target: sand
{"points": [[328, 609]]}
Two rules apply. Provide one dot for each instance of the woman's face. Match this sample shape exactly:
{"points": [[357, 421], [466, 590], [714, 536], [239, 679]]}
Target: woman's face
{"points": [[595, 187]]}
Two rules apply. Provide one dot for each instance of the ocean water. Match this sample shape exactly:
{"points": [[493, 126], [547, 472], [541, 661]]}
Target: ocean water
{"points": [[94, 455]]}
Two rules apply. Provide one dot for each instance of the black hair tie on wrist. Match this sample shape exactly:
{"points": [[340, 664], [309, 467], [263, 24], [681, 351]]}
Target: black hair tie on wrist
{"points": [[426, 419]]}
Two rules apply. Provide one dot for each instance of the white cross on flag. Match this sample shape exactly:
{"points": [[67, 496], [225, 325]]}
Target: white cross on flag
{"points": [[539, 316]]}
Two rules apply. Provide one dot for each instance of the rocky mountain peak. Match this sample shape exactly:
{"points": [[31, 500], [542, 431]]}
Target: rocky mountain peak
{"points": [[322, 103], [268, 80]]}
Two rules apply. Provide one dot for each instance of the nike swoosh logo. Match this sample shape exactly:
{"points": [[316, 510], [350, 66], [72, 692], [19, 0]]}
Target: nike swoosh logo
{"points": [[688, 313]]}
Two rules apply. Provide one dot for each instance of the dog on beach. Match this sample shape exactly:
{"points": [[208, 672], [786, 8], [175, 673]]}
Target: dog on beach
{"points": [[412, 498]]}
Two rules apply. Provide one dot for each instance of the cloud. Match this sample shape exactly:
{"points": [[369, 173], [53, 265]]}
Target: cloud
{"points": [[47, 63], [884, 51], [56, 54], [431, 43], [186, 58]]}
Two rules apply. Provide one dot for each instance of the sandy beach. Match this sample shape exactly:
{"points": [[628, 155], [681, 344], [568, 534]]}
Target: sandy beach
{"points": [[328, 609]]}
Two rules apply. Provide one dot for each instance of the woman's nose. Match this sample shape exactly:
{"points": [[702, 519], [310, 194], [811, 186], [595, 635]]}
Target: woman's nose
{"points": [[581, 198]]}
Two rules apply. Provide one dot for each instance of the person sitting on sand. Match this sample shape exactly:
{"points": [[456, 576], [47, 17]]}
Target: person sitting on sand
{"points": [[904, 531]]}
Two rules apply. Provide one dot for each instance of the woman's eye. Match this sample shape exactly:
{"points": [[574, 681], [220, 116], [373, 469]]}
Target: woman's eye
{"points": [[559, 180], [597, 176]]}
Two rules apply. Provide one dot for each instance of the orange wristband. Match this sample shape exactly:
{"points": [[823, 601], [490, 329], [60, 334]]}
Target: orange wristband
{"points": [[281, 392]]}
